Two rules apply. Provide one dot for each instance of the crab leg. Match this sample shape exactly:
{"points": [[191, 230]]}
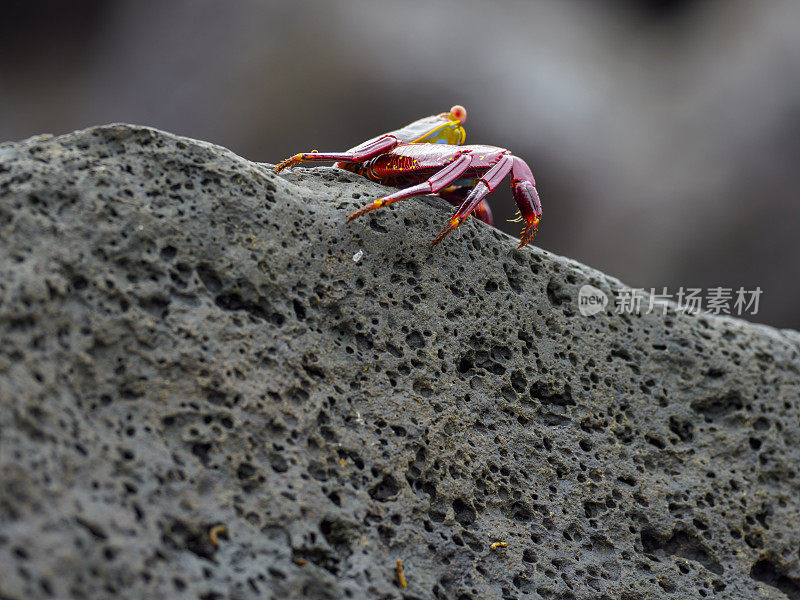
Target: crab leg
{"points": [[485, 186], [360, 153], [483, 213], [455, 196], [438, 181]]}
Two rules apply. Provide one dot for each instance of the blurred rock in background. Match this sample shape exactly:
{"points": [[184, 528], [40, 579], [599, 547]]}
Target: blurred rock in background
{"points": [[664, 135]]}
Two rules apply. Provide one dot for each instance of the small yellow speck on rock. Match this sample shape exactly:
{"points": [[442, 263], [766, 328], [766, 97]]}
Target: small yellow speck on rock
{"points": [[401, 576], [215, 532], [497, 545]]}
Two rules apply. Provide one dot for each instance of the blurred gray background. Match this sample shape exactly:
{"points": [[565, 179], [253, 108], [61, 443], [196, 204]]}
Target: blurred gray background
{"points": [[664, 135]]}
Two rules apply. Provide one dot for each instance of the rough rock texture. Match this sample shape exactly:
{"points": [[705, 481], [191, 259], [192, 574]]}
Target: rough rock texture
{"points": [[188, 340]]}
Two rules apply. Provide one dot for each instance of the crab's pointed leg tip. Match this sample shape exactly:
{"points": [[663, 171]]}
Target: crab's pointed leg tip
{"points": [[450, 226], [355, 215], [288, 162], [368, 208]]}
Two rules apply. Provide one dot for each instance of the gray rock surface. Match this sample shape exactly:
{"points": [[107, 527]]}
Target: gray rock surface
{"points": [[188, 341]]}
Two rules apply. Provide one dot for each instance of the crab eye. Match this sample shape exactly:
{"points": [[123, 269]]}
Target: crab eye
{"points": [[458, 113]]}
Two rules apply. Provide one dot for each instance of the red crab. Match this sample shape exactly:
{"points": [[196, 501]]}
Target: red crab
{"points": [[427, 156]]}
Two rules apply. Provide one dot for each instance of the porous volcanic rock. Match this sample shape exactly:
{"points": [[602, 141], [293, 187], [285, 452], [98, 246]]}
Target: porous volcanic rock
{"points": [[212, 386]]}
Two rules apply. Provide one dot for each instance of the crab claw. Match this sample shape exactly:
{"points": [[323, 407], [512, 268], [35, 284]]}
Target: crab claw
{"points": [[527, 199], [528, 232]]}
